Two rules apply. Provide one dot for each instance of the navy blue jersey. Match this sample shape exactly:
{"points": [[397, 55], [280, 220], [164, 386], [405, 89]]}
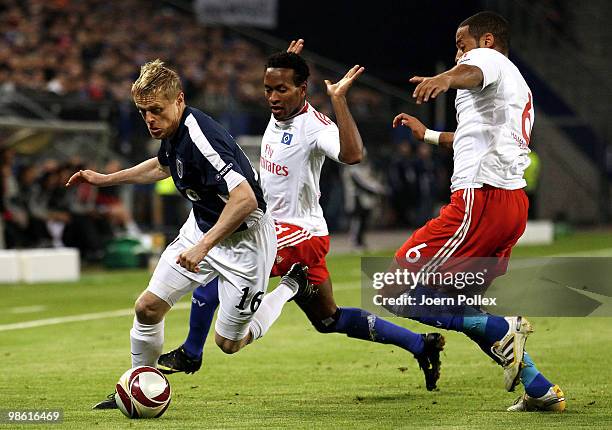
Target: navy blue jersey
{"points": [[206, 164]]}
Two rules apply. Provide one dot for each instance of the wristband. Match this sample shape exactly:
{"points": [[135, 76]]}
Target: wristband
{"points": [[432, 137]]}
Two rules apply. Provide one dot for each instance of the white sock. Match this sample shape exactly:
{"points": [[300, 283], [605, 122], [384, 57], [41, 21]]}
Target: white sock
{"points": [[147, 342], [270, 309]]}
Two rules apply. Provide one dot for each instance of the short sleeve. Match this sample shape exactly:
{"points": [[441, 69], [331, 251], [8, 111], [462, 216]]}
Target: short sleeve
{"points": [[162, 156], [218, 153], [230, 171], [327, 141], [487, 60]]}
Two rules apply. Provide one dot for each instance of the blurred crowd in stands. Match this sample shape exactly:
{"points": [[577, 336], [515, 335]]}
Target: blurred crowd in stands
{"points": [[39, 211], [91, 51], [93, 48]]}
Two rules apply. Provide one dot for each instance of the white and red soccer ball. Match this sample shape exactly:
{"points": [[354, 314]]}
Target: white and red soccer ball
{"points": [[143, 392]]}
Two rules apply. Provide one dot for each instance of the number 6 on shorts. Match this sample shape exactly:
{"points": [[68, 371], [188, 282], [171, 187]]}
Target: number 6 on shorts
{"points": [[255, 301], [416, 254]]}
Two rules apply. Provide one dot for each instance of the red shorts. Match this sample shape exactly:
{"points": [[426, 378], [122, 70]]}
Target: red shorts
{"points": [[478, 222], [296, 245]]}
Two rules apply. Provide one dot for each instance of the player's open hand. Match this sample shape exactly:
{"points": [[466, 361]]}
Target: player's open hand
{"points": [[296, 46], [88, 177], [417, 127], [190, 258], [340, 88], [429, 87]]}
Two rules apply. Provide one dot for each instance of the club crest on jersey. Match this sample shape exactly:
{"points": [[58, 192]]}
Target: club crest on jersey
{"points": [[179, 168], [286, 139], [192, 195]]}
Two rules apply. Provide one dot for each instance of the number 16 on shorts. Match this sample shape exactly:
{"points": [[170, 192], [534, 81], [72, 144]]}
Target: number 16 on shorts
{"points": [[254, 302]]}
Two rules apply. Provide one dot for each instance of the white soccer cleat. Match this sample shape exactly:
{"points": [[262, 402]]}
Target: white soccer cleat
{"points": [[510, 349], [552, 401]]}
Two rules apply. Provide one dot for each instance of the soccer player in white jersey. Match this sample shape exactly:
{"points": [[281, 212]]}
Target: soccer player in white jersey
{"points": [[228, 238], [487, 213], [294, 146]]}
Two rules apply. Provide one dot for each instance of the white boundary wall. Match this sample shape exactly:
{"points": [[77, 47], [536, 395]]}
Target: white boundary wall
{"points": [[39, 265]]}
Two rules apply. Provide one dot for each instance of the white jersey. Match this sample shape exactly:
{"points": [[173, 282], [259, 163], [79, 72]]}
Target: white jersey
{"points": [[493, 125], [292, 154]]}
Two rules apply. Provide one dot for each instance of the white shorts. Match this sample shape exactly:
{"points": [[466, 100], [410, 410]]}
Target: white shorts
{"points": [[242, 262]]}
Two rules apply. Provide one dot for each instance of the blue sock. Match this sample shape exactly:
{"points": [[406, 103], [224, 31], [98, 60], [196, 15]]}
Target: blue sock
{"points": [[435, 316], [479, 326], [204, 302], [361, 324], [536, 385], [445, 321], [484, 328]]}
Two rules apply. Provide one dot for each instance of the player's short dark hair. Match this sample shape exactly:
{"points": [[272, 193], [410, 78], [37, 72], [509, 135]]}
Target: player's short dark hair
{"points": [[489, 22], [290, 60]]}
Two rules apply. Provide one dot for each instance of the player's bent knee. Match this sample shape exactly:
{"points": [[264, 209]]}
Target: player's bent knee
{"points": [[230, 349], [146, 313], [227, 346], [150, 309], [322, 328], [326, 325]]}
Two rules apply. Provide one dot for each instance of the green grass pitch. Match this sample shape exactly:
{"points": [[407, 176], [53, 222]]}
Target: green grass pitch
{"points": [[294, 377]]}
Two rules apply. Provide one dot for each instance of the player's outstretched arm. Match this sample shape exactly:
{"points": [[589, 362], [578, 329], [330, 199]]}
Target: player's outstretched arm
{"points": [[241, 203], [147, 172], [460, 77], [351, 146], [296, 46], [88, 177], [419, 131]]}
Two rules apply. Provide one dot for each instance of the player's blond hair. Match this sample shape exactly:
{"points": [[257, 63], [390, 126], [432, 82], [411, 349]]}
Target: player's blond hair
{"points": [[156, 79]]}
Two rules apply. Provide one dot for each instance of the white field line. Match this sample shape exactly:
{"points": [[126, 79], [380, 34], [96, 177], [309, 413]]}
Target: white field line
{"points": [[76, 318], [27, 309], [606, 252]]}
